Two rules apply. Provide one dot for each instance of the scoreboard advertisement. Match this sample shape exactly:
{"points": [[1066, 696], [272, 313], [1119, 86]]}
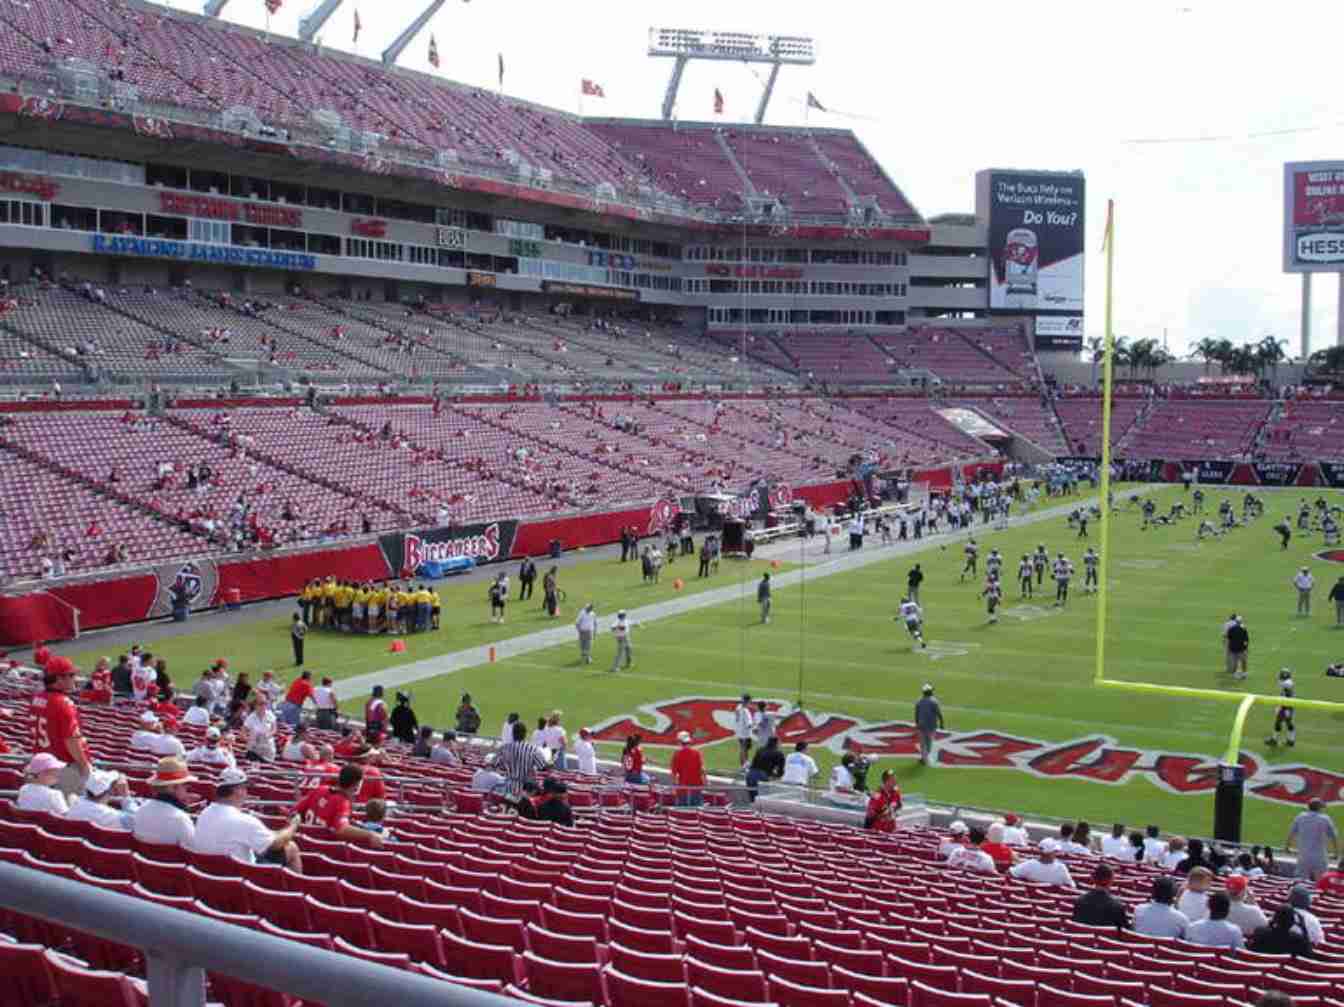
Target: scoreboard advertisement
{"points": [[1313, 217]]}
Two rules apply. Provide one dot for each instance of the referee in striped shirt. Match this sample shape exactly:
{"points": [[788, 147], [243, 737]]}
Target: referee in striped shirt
{"points": [[519, 760]]}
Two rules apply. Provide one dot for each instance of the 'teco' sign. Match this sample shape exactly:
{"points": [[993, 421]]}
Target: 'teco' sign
{"points": [[1313, 216]]}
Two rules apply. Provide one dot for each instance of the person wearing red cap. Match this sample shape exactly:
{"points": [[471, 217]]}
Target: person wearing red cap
{"points": [[1242, 910], [56, 725], [1332, 882]]}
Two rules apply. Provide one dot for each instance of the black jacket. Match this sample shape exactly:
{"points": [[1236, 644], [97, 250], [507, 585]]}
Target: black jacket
{"points": [[405, 726], [1268, 941], [769, 762], [1099, 908], [553, 809]]}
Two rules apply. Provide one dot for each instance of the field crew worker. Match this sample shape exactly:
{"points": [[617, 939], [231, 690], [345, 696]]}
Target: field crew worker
{"points": [[1337, 596], [297, 631], [1304, 582], [620, 629], [1238, 648], [912, 581], [763, 597]]}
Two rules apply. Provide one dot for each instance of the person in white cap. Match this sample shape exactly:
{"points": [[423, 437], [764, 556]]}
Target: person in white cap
{"points": [[163, 818], [94, 805], [586, 753], [1304, 582], [586, 626], [1044, 869], [224, 828], [150, 738], [956, 840], [621, 629], [39, 792], [212, 753]]}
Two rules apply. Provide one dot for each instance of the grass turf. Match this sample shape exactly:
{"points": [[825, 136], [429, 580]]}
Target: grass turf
{"points": [[1029, 676]]}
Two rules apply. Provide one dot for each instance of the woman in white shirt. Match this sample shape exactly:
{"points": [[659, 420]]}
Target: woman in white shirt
{"points": [[555, 737], [39, 792], [586, 753], [259, 731], [94, 804]]}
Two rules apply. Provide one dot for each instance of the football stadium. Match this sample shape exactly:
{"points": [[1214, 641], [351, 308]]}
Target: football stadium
{"points": [[459, 549]]}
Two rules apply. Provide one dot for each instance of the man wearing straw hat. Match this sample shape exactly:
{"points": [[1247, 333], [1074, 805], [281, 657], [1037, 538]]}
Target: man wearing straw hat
{"points": [[163, 819]]}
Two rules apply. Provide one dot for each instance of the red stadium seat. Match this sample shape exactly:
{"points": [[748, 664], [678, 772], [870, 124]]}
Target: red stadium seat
{"points": [[659, 968], [657, 941], [887, 990], [1021, 992], [513, 992], [480, 961], [419, 940], [922, 995], [628, 991], [728, 956], [78, 986], [564, 980], [791, 994], [1048, 996], [563, 947], [27, 974], [562, 921], [286, 909]]}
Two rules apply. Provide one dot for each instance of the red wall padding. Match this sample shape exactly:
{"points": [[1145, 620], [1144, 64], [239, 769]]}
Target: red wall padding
{"points": [[534, 537], [277, 576]]}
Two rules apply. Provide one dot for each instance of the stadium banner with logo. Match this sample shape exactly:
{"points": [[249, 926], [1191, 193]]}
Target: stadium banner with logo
{"points": [[1332, 474], [1313, 217], [406, 551], [1277, 473], [1059, 332], [1036, 239], [193, 580]]}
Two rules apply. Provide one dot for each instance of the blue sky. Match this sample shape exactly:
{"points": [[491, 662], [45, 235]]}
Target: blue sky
{"points": [[938, 91]]}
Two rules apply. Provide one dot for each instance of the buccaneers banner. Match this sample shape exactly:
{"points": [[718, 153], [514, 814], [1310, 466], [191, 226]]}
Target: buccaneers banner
{"points": [[1277, 473], [1332, 474], [1094, 758], [484, 543], [192, 580]]}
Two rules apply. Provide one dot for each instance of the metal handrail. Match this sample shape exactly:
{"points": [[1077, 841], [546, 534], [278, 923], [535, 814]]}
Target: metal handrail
{"points": [[180, 947]]}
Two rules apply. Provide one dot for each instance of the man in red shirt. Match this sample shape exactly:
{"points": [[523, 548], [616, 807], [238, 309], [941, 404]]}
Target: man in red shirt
{"points": [[1332, 882], [300, 691], [330, 805], [883, 805], [373, 787], [688, 772], [56, 726], [375, 716]]}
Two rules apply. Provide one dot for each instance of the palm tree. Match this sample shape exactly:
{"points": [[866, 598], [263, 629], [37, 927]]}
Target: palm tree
{"points": [[1206, 350], [1242, 360], [1269, 353], [1328, 361], [1096, 346]]}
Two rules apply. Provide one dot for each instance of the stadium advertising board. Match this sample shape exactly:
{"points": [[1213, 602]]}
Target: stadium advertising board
{"points": [[1332, 473], [407, 551], [1036, 231], [1313, 217], [588, 290], [155, 248], [1059, 332]]}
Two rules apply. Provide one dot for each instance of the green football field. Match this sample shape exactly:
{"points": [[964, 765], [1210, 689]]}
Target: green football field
{"points": [[1028, 729]]}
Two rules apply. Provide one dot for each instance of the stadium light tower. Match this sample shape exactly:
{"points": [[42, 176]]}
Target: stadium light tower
{"points": [[311, 23], [686, 44], [392, 52]]}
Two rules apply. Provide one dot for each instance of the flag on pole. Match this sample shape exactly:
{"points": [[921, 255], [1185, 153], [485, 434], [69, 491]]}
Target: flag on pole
{"points": [[813, 103], [718, 102], [1110, 215], [591, 90], [433, 53], [501, 71], [357, 26]]}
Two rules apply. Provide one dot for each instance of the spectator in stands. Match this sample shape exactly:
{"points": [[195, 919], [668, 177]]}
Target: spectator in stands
{"points": [[1097, 907], [468, 717], [744, 719], [375, 816], [585, 753], [1332, 882], [956, 840], [198, 715], [373, 787], [799, 767], [324, 699], [489, 780], [1153, 847], [554, 805], [842, 776], [39, 791], [151, 738], [1285, 935], [212, 753], [1194, 900], [1215, 930], [56, 719], [1175, 853], [300, 691], [375, 716], [259, 731], [163, 819], [424, 743], [766, 764], [121, 677], [632, 761], [1013, 832], [1158, 917], [403, 720], [1116, 845], [1044, 869], [296, 750], [224, 828], [554, 737], [95, 804], [972, 856], [444, 752], [1064, 842], [269, 687], [880, 815], [506, 733], [688, 772], [1313, 833], [999, 851], [1082, 840], [1300, 899], [330, 805], [519, 760], [1242, 910], [1195, 856]]}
